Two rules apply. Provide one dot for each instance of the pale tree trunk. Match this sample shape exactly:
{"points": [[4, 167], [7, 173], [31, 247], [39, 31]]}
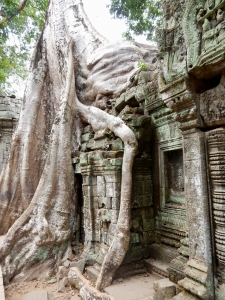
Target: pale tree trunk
{"points": [[36, 184]]}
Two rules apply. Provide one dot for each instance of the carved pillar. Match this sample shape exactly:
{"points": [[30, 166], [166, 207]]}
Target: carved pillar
{"points": [[216, 146], [199, 275], [199, 267]]}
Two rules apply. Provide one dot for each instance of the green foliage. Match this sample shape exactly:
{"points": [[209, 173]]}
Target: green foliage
{"points": [[142, 16], [19, 30], [142, 65]]}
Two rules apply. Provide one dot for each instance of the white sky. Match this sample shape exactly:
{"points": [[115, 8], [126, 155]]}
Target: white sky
{"points": [[103, 22]]}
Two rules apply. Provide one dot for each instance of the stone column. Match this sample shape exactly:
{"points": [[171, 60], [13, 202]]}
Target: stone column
{"points": [[216, 158], [199, 276], [199, 270]]}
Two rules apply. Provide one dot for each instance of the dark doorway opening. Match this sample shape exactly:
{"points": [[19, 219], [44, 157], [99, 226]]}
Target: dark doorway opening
{"points": [[80, 236]]}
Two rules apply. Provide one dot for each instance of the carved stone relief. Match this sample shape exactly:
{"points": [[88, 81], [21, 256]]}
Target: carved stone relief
{"points": [[212, 105], [204, 30], [171, 41]]}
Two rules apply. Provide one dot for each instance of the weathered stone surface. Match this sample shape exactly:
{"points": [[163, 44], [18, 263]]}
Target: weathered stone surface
{"points": [[62, 272], [62, 285], [39, 295], [9, 114], [51, 281], [93, 273], [185, 296], [87, 291], [165, 289], [80, 264], [120, 102]]}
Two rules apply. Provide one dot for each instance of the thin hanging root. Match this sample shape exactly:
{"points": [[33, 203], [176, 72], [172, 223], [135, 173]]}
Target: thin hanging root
{"points": [[99, 120]]}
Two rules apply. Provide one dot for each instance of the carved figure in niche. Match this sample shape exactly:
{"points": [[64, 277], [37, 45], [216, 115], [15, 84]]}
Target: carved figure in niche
{"points": [[105, 220], [212, 105], [200, 14], [217, 110], [206, 25], [211, 4], [220, 16], [177, 58], [220, 29], [197, 37], [169, 23], [207, 34], [213, 111]]}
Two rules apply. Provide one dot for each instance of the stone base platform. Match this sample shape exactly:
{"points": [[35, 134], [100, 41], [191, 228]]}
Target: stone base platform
{"points": [[156, 267]]}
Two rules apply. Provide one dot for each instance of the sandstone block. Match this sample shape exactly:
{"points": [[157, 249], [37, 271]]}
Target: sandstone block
{"points": [[80, 264], [39, 295], [100, 186], [116, 202], [62, 272], [165, 289], [66, 264], [63, 284]]}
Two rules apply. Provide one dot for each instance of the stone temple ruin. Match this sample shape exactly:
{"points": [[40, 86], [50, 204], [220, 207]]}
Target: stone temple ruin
{"points": [[176, 109], [9, 115]]}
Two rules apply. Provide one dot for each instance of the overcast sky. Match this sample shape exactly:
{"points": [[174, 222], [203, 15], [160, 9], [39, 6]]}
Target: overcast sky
{"points": [[103, 22]]}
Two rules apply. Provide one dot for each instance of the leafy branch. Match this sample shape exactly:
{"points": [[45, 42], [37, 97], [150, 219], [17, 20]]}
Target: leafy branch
{"points": [[6, 18]]}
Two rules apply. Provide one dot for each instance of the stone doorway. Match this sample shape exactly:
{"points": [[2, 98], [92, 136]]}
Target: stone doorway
{"points": [[79, 230]]}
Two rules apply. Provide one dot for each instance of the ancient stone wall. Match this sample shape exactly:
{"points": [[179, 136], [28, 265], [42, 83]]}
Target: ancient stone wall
{"points": [[100, 163], [9, 114]]}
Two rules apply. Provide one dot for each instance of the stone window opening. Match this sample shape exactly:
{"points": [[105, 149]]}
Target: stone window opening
{"points": [[174, 177]]}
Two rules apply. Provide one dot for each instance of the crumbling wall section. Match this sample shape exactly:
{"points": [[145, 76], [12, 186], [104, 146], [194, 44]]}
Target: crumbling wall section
{"points": [[9, 114]]}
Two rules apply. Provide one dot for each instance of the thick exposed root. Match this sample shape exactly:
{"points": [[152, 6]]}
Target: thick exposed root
{"points": [[44, 229], [87, 291]]}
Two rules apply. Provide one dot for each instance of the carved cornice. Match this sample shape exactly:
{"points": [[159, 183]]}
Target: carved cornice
{"points": [[183, 102]]}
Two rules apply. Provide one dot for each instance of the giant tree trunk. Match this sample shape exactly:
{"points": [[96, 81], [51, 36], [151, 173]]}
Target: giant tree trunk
{"points": [[36, 184]]}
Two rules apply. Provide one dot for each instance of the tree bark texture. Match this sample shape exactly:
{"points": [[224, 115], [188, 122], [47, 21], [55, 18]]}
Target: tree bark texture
{"points": [[71, 61]]}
